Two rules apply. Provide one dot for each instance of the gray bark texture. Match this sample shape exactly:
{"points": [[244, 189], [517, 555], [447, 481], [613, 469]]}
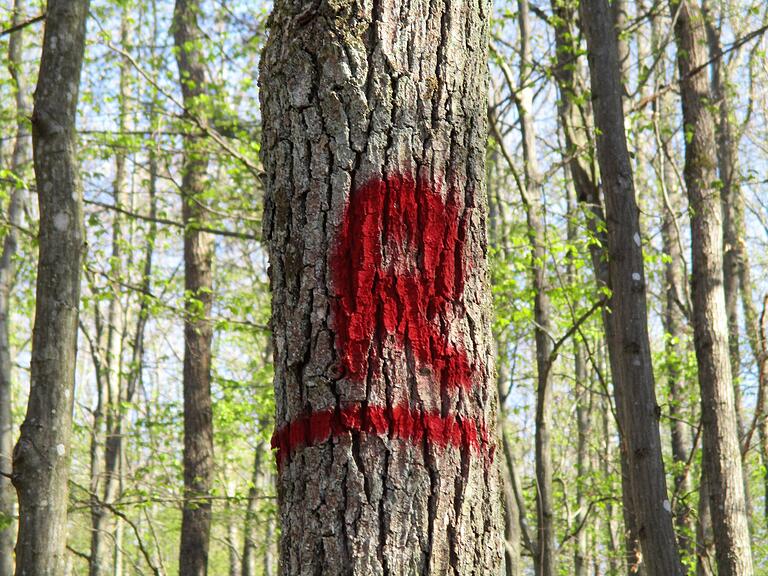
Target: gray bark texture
{"points": [[359, 97], [198, 285], [626, 321], [578, 152], [722, 454], [20, 156], [41, 456]]}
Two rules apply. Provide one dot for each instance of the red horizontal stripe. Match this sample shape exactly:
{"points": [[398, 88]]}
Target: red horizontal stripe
{"points": [[401, 422]]}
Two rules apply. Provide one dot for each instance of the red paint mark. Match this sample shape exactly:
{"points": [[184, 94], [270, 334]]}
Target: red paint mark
{"points": [[400, 422], [398, 269]]}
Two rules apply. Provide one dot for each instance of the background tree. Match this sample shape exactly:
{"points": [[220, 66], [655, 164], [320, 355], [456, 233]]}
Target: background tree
{"points": [[626, 322], [722, 456], [18, 168], [198, 286]]}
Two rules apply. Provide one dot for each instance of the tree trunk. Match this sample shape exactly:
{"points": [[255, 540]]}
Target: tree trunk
{"points": [[675, 352], [583, 403], [19, 157], [270, 548], [249, 532], [704, 540], [513, 565], [727, 160], [198, 285], [233, 536], [578, 147], [676, 303], [544, 558], [107, 449], [41, 457], [374, 158], [722, 455], [626, 320], [581, 553]]}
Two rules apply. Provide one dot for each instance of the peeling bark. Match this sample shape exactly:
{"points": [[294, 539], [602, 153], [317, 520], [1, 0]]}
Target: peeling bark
{"points": [[374, 157]]}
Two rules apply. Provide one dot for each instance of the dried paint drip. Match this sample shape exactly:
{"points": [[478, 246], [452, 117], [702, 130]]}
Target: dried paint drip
{"points": [[398, 269], [400, 422]]}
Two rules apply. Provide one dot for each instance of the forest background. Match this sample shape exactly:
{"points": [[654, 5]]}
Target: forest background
{"points": [[132, 121]]}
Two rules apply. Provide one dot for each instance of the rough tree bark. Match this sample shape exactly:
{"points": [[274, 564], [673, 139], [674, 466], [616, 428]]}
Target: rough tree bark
{"points": [[626, 321], [41, 456], [20, 156], [374, 120], [198, 285], [722, 455], [727, 169], [737, 278]]}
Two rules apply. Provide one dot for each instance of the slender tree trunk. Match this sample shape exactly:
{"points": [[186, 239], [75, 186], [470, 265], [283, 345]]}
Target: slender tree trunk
{"points": [[722, 455], [583, 405], [107, 450], [374, 156], [626, 321], [270, 539], [573, 120], [198, 285], [727, 163], [612, 539], [544, 559], [513, 564], [583, 409], [249, 532], [675, 338], [737, 281], [676, 304], [705, 550], [42, 454], [233, 538], [19, 158]]}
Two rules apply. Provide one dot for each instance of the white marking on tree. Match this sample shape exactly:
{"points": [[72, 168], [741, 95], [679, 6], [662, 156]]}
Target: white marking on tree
{"points": [[61, 221]]}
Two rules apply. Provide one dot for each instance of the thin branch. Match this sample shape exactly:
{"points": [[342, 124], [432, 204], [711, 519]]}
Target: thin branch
{"points": [[159, 220], [702, 67], [575, 327], [22, 25]]}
